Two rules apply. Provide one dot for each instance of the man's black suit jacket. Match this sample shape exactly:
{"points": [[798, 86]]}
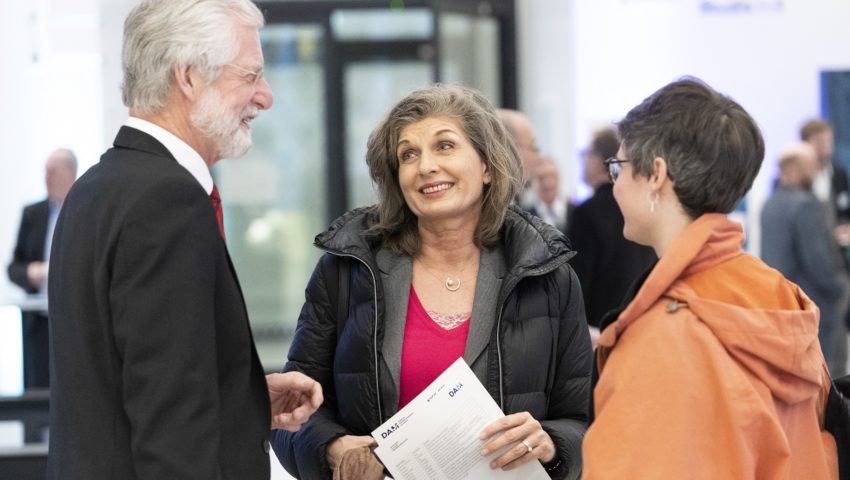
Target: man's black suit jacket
{"points": [[606, 263], [30, 245], [155, 374], [840, 193], [30, 248]]}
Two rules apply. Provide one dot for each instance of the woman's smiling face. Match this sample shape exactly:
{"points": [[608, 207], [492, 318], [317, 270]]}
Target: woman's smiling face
{"points": [[440, 172]]}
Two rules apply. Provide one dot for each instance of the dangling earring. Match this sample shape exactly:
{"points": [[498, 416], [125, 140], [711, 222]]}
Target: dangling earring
{"points": [[652, 201]]}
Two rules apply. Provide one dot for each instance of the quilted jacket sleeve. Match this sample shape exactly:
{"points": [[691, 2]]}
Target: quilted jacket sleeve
{"points": [[568, 408], [302, 453]]}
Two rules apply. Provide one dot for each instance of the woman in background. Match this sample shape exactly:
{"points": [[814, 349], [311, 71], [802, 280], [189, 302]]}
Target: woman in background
{"points": [[442, 268], [714, 369]]}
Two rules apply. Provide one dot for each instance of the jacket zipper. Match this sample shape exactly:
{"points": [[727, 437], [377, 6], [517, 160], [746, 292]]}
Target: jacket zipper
{"points": [[545, 268], [499, 356], [549, 267]]}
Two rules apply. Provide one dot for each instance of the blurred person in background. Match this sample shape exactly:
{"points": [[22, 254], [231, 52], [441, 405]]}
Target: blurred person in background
{"points": [[30, 262], [548, 203], [154, 371], [832, 188], [714, 369], [522, 132], [797, 240], [606, 263], [442, 268], [831, 183]]}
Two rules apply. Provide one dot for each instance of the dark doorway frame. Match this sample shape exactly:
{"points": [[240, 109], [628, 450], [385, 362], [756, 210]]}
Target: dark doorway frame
{"points": [[336, 54]]}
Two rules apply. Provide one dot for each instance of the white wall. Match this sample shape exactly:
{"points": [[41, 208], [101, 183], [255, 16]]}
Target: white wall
{"points": [[620, 51], [50, 96], [546, 80], [583, 64]]}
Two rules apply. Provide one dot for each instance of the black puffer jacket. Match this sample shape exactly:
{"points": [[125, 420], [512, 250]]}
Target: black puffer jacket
{"points": [[539, 357]]}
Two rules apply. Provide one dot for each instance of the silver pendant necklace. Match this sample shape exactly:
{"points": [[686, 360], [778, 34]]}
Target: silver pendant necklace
{"points": [[452, 284]]}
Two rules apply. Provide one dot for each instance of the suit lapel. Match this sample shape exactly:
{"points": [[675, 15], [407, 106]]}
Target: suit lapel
{"points": [[41, 217], [134, 139]]}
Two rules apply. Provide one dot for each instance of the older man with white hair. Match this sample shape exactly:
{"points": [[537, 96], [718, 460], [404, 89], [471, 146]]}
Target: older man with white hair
{"points": [[155, 373]]}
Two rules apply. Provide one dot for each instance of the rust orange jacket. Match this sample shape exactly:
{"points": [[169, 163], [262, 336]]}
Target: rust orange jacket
{"points": [[713, 371]]}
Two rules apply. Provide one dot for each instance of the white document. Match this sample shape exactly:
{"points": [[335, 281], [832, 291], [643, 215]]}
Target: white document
{"points": [[435, 436]]}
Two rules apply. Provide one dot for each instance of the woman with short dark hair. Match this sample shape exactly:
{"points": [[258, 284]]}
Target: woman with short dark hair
{"points": [[441, 268], [714, 369]]}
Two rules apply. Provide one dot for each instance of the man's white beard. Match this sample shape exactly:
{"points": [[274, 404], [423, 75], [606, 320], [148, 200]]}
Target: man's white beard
{"points": [[222, 125]]}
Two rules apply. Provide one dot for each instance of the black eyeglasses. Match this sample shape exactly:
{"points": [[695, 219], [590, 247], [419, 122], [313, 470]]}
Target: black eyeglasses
{"points": [[614, 167]]}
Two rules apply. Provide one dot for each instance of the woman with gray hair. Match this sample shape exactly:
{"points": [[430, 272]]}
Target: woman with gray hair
{"points": [[441, 268]]}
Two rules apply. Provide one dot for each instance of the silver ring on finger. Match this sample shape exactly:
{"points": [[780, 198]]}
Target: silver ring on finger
{"points": [[527, 445]]}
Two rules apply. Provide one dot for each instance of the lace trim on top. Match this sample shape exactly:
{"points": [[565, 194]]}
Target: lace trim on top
{"points": [[449, 321]]}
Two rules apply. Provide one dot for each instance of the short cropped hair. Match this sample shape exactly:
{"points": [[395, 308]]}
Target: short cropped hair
{"points": [[812, 128], [712, 146], [70, 159], [478, 120], [605, 143], [792, 156], [162, 34]]}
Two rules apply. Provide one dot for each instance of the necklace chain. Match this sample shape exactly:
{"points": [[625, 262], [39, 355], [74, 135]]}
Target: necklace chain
{"points": [[452, 284]]}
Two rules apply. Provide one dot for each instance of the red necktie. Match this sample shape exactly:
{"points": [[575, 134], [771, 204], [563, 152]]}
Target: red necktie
{"points": [[215, 199]]}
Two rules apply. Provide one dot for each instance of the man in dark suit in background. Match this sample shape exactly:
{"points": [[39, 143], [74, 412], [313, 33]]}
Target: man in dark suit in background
{"points": [[606, 263], [29, 265], [548, 203], [831, 183], [154, 373]]}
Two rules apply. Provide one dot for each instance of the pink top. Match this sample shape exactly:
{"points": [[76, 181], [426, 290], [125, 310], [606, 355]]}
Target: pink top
{"points": [[428, 349]]}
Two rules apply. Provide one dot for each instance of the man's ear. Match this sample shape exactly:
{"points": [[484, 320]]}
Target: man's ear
{"points": [[188, 81]]}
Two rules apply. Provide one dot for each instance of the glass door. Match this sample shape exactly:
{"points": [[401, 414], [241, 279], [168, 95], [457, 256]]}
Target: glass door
{"points": [[335, 68], [371, 89], [275, 196]]}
